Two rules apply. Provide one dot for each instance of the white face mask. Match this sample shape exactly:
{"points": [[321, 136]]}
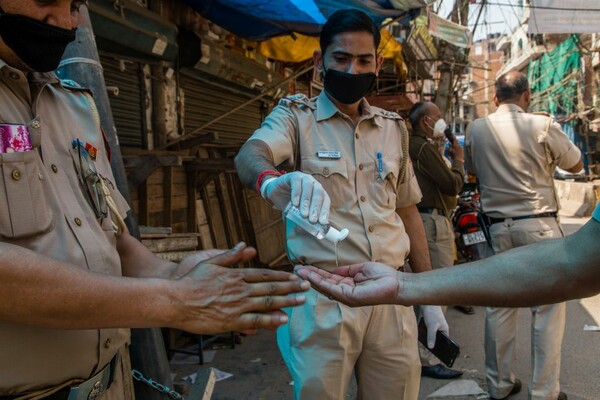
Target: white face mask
{"points": [[439, 128]]}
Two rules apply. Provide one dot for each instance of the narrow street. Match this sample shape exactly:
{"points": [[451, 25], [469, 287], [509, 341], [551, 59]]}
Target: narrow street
{"points": [[260, 373]]}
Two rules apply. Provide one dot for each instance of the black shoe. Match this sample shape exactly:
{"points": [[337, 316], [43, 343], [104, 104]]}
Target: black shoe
{"points": [[465, 309], [515, 389], [562, 396], [438, 371]]}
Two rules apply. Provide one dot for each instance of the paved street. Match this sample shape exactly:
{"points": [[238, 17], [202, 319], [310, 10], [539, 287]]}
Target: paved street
{"points": [[259, 372]]}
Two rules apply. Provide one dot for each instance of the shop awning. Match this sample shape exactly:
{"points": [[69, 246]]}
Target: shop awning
{"points": [[564, 16], [263, 19]]}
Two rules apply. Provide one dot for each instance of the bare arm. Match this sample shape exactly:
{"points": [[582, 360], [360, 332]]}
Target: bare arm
{"points": [[253, 158], [419, 252], [543, 273], [207, 299]]}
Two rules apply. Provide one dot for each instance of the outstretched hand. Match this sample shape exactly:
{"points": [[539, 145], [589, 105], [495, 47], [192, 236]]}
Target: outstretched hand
{"points": [[214, 299], [355, 285]]}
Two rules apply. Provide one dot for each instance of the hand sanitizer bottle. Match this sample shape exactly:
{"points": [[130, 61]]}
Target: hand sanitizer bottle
{"points": [[317, 230]]}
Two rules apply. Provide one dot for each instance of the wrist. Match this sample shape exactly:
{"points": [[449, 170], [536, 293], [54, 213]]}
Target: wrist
{"points": [[264, 175]]}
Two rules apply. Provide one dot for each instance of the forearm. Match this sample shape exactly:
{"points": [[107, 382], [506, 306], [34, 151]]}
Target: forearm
{"points": [[547, 272], [419, 252], [137, 261], [253, 158], [39, 291]]}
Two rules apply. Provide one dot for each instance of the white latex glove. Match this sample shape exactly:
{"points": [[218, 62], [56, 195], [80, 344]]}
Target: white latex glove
{"points": [[304, 191], [434, 321]]}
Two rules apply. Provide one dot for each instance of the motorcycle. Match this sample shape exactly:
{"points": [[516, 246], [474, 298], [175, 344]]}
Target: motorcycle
{"points": [[471, 241]]}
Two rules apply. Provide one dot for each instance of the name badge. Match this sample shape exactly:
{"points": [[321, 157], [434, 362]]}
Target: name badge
{"points": [[329, 154]]}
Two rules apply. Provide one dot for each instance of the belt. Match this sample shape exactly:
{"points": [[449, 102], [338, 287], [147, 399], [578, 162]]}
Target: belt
{"points": [[92, 389], [427, 210], [492, 220]]}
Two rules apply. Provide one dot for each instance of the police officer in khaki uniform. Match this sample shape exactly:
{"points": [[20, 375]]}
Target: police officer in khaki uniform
{"points": [[351, 160], [513, 154], [64, 248], [440, 186]]}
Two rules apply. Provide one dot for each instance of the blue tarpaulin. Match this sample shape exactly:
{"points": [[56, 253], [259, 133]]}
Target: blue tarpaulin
{"points": [[263, 19]]}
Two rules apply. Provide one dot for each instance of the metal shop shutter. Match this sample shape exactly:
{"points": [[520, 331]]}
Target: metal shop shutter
{"points": [[204, 102], [127, 106]]}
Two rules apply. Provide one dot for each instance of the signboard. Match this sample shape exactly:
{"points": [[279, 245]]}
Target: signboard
{"points": [[564, 16], [449, 31]]}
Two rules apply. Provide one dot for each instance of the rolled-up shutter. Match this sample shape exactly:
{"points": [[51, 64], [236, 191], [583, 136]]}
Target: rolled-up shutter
{"points": [[205, 101], [127, 106]]}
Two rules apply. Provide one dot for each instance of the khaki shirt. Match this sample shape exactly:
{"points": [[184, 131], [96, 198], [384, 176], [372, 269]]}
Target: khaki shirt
{"points": [[440, 185], [45, 210], [507, 152], [364, 197]]}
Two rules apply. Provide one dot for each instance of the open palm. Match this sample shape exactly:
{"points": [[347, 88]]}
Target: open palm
{"points": [[355, 285]]}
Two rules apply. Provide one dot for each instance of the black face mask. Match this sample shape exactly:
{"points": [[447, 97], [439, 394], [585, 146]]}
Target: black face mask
{"points": [[348, 88], [36, 43]]}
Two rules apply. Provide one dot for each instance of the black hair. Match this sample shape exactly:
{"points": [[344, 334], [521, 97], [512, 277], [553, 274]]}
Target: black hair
{"points": [[348, 20], [510, 89], [417, 112]]}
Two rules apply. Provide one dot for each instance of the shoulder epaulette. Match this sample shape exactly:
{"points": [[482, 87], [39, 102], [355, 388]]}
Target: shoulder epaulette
{"points": [[388, 114], [70, 84], [298, 100], [543, 114]]}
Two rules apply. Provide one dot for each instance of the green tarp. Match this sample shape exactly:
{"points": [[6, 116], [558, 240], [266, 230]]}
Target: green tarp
{"points": [[553, 79]]}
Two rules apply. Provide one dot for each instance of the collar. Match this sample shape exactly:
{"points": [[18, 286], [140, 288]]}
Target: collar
{"points": [[34, 77], [419, 133], [509, 107], [326, 109]]}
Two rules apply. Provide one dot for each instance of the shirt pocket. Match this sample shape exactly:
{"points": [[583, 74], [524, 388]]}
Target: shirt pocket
{"points": [[26, 211], [331, 174], [386, 180]]}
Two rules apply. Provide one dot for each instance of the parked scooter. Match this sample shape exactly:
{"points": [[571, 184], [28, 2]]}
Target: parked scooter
{"points": [[471, 241]]}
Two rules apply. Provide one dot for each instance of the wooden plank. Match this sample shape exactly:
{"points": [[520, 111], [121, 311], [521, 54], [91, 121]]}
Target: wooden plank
{"points": [[171, 244], [191, 203], [206, 241], [200, 213], [168, 235], [144, 230], [167, 195]]}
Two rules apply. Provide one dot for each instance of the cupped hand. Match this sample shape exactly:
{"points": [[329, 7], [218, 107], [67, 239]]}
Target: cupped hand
{"points": [[355, 285], [214, 299]]}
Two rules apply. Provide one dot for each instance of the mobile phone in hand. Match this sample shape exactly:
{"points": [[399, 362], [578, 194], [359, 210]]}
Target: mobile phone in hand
{"points": [[445, 348], [449, 135]]}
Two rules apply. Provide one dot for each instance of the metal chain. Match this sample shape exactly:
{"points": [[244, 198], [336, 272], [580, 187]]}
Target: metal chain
{"points": [[138, 376]]}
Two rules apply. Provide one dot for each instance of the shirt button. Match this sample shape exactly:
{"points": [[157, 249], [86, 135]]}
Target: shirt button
{"points": [[77, 221], [54, 168], [360, 166], [371, 229], [362, 198], [14, 75], [36, 124], [356, 135], [107, 343], [16, 174], [325, 171]]}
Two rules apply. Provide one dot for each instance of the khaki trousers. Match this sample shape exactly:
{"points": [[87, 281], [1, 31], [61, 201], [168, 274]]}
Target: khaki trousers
{"points": [[325, 341], [440, 241], [547, 322]]}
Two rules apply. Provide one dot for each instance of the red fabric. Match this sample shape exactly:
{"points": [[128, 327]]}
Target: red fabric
{"points": [[263, 175]]}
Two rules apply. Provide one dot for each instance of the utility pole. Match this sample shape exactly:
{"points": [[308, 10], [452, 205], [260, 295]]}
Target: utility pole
{"points": [[454, 59], [81, 63]]}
